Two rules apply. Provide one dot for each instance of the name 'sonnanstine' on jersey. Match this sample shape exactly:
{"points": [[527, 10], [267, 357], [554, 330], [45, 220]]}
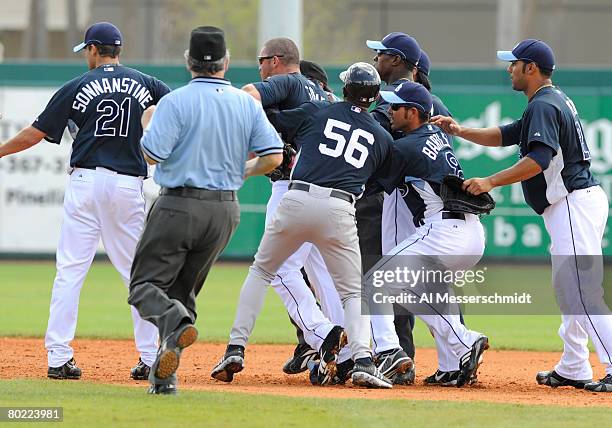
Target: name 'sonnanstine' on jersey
{"points": [[552, 119], [104, 105], [106, 85], [419, 162], [340, 145]]}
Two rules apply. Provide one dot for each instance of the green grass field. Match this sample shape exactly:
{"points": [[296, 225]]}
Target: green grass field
{"points": [[25, 290]]}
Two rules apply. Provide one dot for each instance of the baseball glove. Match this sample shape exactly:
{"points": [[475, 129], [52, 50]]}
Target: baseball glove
{"points": [[283, 171], [457, 199]]}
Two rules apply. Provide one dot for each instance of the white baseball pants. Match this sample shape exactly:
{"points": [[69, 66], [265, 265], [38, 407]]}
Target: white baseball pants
{"points": [[450, 237], [97, 204], [576, 225]]}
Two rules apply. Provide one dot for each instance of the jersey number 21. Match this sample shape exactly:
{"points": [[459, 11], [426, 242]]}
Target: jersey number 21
{"points": [[355, 153]]}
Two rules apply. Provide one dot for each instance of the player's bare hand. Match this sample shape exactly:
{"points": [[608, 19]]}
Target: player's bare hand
{"points": [[476, 186], [146, 116], [447, 124]]}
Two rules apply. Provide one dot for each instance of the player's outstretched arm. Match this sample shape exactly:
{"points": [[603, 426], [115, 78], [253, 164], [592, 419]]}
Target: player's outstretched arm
{"points": [[490, 137], [252, 91], [262, 165], [520, 171], [25, 139]]}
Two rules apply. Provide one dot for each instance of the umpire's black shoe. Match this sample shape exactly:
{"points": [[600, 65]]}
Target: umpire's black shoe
{"points": [[68, 371], [302, 355], [169, 389], [554, 380], [169, 354], [468, 367], [336, 339], [231, 363], [140, 371]]}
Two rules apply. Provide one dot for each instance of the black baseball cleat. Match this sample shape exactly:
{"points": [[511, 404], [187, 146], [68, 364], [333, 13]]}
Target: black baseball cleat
{"points": [[554, 380], [343, 372], [405, 378], [169, 354], [302, 355], [604, 385], [140, 371], [68, 371], [393, 362], [336, 339], [368, 375], [468, 366], [443, 378], [231, 363], [168, 389]]}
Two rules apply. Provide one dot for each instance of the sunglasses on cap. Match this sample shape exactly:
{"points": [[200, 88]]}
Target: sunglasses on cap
{"points": [[392, 52], [261, 59]]}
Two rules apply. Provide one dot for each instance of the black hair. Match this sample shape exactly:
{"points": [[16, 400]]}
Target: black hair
{"points": [[109, 50], [423, 117], [423, 79]]}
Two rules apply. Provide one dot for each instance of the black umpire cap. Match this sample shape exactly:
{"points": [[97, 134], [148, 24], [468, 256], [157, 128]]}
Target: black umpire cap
{"points": [[312, 70], [207, 44]]}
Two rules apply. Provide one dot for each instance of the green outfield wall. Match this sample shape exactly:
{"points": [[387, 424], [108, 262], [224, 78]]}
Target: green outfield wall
{"points": [[476, 97]]}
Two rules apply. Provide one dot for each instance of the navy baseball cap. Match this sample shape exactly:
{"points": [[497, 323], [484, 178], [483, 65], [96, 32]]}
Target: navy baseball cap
{"points": [[531, 50], [101, 33], [399, 44], [409, 94], [424, 63]]}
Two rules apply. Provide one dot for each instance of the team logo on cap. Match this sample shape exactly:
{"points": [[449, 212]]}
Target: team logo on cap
{"points": [[399, 87]]}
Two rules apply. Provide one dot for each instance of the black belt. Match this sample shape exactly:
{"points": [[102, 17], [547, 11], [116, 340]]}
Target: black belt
{"points": [[202, 194], [334, 193], [110, 169], [448, 215]]}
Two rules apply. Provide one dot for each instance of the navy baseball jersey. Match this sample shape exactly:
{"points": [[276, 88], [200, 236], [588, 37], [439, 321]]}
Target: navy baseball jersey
{"points": [[105, 104], [340, 145], [380, 109], [288, 91], [551, 119], [419, 162]]}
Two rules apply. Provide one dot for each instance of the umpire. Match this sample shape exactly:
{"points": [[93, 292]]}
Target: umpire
{"points": [[200, 135]]}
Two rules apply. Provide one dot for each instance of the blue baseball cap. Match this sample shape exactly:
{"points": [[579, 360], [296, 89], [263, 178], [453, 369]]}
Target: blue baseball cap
{"points": [[101, 33], [400, 44], [531, 50], [424, 63], [409, 94]]}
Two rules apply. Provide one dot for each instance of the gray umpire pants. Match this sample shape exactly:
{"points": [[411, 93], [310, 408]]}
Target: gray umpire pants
{"points": [[184, 235], [329, 223]]}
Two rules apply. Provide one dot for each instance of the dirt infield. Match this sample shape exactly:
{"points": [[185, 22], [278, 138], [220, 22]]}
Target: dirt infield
{"points": [[505, 377]]}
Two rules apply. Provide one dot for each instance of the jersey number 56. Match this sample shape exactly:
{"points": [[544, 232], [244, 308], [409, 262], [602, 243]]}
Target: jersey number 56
{"points": [[355, 153]]}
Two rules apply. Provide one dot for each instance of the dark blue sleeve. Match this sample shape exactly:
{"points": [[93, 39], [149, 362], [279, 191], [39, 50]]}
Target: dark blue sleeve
{"points": [[511, 133], [288, 122], [543, 125], [274, 90], [541, 153], [54, 119], [161, 89], [405, 160]]}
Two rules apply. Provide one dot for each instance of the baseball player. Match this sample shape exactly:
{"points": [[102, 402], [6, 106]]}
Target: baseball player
{"points": [[340, 146], [554, 171], [104, 195], [283, 87], [420, 161]]}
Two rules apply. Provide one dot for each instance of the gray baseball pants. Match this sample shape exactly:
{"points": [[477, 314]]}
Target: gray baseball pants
{"points": [[329, 223]]}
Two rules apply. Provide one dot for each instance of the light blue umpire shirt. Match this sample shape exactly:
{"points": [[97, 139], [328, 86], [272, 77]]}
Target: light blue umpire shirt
{"points": [[202, 133]]}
